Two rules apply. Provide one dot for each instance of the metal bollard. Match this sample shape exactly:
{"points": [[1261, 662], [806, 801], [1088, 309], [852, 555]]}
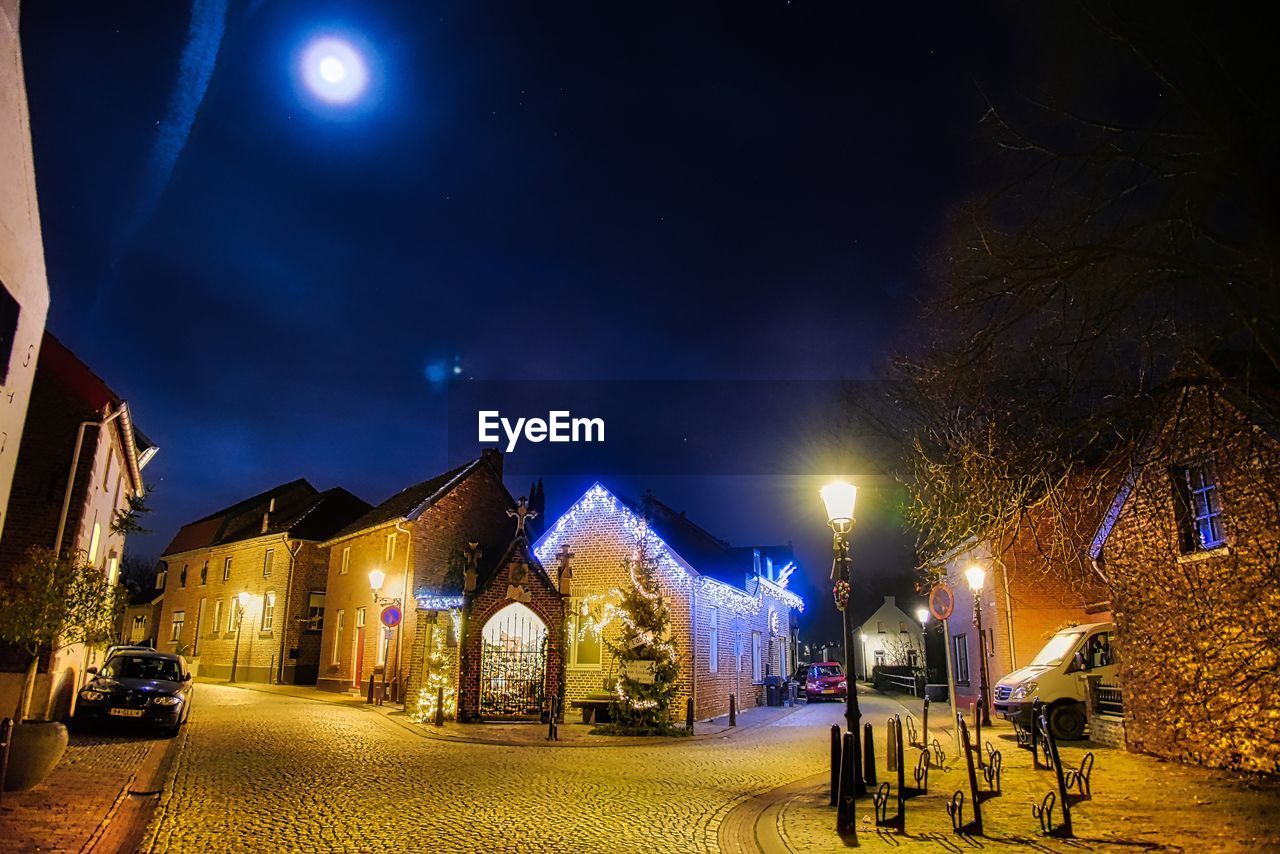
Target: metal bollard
{"points": [[869, 754], [6, 736], [553, 711], [846, 809], [891, 754], [440, 707], [688, 714], [733, 710], [369, 700], [835, 764]]}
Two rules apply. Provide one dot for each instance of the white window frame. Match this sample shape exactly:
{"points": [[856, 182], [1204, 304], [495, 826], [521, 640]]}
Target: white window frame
{"points": [[217, 616], [757, 657], [340, 619], [268, 610], [360, 618], [384, 644], [226, 569], [346, 561], [1205, 505], [176, 622], [574, 626], [713, 639], [162, 578], [268, 558]]}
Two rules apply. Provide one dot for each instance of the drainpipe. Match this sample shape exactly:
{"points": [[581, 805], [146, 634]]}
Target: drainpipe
{"points": [[288, 596], [404, 605], [71, 477], [1008, 617]]}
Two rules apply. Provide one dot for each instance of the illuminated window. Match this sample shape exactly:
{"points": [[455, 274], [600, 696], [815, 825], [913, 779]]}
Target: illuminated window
{"points": [[584, 640], [113, 569], [93, 543], [1199, 507], [757, 662], [902, 627], [217, 616], [315, 611], [268, 610], [266, 562], [713, 639], [391, 547], [359, 618], [226, 570], [880, 628], [233, 614], [340, 623], [346, 560], [175, 628], [383, 642]]}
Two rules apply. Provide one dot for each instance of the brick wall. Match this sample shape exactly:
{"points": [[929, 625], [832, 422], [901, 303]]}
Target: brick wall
{"points": [[1198, 632]]}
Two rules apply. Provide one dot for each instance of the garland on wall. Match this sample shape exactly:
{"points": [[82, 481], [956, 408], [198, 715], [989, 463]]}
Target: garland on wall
{"points": [[439, 676]]}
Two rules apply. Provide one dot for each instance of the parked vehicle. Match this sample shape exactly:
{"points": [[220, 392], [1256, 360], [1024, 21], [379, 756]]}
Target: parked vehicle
{"points": [[138, 687], [826, 681], [125, 647], [800, 677], [1056, 677]]}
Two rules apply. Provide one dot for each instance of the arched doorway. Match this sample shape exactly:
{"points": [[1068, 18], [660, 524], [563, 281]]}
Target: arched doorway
{"points": [[513, 663]]}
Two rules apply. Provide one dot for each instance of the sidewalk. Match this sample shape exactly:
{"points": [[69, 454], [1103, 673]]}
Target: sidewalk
{"points": [[1138, 802], [98, 796], [526, 734]]}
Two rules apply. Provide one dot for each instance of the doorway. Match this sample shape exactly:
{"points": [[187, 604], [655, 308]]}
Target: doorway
{"points": [[513, 664]]}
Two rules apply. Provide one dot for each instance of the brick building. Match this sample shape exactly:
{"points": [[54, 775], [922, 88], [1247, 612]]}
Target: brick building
{"points": [[731, 612], [140, 620], [418, 539], [262, 555], [80, 462], [888, 637], [1191, 548]]}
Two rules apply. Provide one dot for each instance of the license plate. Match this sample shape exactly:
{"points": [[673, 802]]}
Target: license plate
{"points": [[126, 713], [828, 690]]}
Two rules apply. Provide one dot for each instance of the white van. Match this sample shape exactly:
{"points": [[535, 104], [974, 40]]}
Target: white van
{"points": [[1056, 677]]}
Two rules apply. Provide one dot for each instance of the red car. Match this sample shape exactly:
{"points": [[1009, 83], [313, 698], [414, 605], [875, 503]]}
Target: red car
{"points": [[825, 681]]}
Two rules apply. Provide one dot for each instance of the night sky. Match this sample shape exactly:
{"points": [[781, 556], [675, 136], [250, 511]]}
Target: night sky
{"points": [[526, 191]]}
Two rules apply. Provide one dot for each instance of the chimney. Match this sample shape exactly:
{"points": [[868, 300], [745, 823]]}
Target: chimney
{"points": [[889, 600], [266, 517], [493, 457]]}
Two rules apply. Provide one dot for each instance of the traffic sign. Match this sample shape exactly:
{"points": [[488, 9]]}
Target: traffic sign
{"points": [[941, 601], [391, 616]]}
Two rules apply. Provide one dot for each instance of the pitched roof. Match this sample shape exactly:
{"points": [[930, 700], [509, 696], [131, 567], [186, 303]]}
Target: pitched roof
{"points": [[296, 508], [412, 501]]}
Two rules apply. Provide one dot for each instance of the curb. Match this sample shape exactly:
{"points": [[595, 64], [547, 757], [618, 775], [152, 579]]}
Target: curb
{"points": [[744, 828], [127, 821]]}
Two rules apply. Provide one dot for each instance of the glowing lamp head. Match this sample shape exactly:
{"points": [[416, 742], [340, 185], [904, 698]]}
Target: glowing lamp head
{"points": [[334, 71], [242, 598], [376, 577], [840, 498], [976, 576], [922, 614]]}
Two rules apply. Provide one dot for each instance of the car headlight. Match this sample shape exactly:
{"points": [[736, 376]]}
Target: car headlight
{"points": [[92, 696], [1026, 689], [166, 701], [843, 683]]}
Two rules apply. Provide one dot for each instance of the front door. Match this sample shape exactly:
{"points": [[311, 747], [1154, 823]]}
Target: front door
{"points": [[513, 664]]}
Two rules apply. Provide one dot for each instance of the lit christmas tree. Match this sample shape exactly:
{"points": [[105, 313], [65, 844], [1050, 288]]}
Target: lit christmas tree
{"points": [[439, 675], [646, 655]]}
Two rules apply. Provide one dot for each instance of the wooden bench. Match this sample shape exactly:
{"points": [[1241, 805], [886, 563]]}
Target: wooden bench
{"points": [[592, 709]]}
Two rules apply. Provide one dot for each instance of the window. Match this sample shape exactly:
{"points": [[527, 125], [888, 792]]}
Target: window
{"points": [[880, 627], [902, 627], [713, 639], [584, 639], [233, 615], [757, 665], [161, 577], [340, 623], [266, 562], [879, 657], [204, 574], [217, 616], [359, 618], [913, 658], [960, 656], [391, 547], [384, 641], [113, 569], [268, 610], [1199, 507], [346, 560], [182, 576], [226, 570], [175, 630], [93, 542], [315, 612], [139, 630]]}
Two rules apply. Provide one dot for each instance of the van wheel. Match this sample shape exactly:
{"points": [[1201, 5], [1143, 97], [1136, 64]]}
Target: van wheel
{"points": [[1067, 722]]}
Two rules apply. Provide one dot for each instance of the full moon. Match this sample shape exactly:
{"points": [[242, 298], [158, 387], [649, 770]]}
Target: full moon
{"points": [[334, 71]]}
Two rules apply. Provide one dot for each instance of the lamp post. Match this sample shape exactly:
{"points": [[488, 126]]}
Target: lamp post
{"points": [[240, 601], [840, 499], [977, 576], [376, 577], [922, 614]]}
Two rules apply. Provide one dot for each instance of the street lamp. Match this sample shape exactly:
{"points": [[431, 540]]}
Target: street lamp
{"points": [[977, 576], [840, 499], [376, 578], [240, 601], [922, 614]]}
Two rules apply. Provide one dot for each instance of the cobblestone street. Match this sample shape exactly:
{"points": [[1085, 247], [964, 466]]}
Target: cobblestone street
{"points": [[262, 771]]}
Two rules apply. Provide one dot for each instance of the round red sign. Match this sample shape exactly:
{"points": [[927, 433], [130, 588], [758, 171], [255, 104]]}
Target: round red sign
{"points": [[391, 616], [941, 601]]}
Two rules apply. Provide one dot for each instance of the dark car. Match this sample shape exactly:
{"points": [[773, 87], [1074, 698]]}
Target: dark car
{"points": [[825, 681], [138, 687]]}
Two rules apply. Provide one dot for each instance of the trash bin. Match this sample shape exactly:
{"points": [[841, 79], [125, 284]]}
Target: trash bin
{"points": [[773, 691]]}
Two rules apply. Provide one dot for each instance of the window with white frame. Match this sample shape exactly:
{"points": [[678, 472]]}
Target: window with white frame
{"points": [[960, 659], [267, 560], [584, 638], [346, 561], [384, 642], [175, 628], [226, 570], [880, 627], [268, 610], [757, 659], [713, 639], [391, 547], [216, 625], [315, 611], [161, 577], [1201, 507], [359, 618], [340, 623], [233, 614]]}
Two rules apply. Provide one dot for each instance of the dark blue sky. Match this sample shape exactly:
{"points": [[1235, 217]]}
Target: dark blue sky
{"points": [[550, 191]]}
